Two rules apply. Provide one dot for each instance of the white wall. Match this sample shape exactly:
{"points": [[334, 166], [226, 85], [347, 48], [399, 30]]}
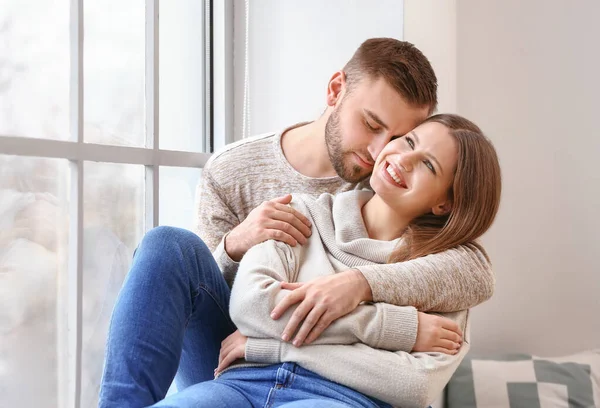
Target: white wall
{"points": [[431, 26], [295, 47], [528, 73]]}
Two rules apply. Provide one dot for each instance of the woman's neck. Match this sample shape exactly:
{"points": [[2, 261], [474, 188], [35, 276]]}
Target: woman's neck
{"points": [[381, 221]]}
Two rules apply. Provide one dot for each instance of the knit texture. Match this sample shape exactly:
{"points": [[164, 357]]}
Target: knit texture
{"points": [[372, 336], [244, 174]]}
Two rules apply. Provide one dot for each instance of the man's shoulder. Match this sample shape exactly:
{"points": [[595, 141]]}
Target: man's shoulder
{"points": [[244, 147], [236, 155]]}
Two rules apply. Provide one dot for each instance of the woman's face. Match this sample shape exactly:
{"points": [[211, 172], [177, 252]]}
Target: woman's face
{"points": [[413, 174]]}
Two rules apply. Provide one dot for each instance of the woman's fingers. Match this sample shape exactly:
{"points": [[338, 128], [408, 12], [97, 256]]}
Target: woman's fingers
{"points": [[230, 357], [451, 335]]}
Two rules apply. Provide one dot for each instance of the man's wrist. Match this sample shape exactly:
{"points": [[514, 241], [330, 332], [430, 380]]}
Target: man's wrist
{"points": [[231, 250], [366, 295]]}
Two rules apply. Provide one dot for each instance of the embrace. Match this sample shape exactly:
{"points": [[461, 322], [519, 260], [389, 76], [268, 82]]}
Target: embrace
{"points": [[334, 263]]}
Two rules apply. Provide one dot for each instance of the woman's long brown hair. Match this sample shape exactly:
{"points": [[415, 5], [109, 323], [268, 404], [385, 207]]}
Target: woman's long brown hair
{"points": [[475, 196]]}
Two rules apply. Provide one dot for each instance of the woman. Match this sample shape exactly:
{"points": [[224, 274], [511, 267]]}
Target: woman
{"points": [[436, 188]]}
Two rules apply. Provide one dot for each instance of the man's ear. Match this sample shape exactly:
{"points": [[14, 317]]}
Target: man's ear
{"points": [[336, 88], [442, 208]]}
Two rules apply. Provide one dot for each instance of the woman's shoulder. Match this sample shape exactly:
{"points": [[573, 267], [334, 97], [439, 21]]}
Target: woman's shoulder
{"points": [[327, 199]]}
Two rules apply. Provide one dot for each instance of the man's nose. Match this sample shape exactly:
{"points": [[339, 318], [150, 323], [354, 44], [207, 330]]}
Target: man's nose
{"points": [[377, 144]]}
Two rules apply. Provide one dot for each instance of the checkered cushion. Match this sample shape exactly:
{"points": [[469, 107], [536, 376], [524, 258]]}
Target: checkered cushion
{"points": [[526, 381]]}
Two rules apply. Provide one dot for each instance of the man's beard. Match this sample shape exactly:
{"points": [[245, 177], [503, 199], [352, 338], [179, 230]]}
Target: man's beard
{"points": [[333, 139]]}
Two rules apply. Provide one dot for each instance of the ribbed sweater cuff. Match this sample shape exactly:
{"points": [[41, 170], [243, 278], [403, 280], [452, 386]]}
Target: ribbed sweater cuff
{"points": [[263, 350], [228, 266], [399, 328]]}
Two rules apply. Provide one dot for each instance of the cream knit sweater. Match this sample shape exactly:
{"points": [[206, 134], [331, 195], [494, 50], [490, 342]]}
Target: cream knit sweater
{"points": [[244, 174], [367, 350]]}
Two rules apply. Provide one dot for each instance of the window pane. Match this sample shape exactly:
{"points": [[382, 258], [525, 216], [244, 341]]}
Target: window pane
{"points": [[114, 69], [113, 226], [181, 71], [33, 270], [34, 69], [177, 187]]}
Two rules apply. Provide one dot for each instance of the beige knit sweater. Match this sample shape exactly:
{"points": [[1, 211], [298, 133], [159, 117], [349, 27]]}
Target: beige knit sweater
{"points": [[367, 350], [246, 173]]}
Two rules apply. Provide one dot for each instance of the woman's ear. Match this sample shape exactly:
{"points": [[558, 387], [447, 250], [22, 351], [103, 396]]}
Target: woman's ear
{"points": [[335, 88], [442, 208]]}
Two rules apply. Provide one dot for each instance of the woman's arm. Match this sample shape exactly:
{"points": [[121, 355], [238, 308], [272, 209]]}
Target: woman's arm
{"points": [[399, 378], [256, 290]]}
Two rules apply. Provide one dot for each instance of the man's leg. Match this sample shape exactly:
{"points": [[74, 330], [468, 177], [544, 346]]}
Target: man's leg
{"points": [[174, 299]]}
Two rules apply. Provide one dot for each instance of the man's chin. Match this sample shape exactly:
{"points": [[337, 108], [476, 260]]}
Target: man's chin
{"points": [[355, 175]]}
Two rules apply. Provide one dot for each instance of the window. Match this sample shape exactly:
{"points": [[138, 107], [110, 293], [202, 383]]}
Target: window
{"points": [[101, 139]]}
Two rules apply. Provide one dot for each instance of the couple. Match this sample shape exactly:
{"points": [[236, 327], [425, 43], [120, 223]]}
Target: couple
{"points": [[329, 292]]}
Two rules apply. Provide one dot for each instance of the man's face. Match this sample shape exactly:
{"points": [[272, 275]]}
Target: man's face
{"points": [[363, 122]]}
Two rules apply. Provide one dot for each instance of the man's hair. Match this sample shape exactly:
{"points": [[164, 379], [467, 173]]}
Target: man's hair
{"points": [[400, 64]]}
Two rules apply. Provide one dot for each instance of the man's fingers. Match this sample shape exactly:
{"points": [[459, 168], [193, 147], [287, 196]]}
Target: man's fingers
{"points": [[319, 328], [307, 326], [281, 236], [289, 229], [291, 285], [290, 218], [286, 199], [295, 213], [291, 299], [298, 315]]}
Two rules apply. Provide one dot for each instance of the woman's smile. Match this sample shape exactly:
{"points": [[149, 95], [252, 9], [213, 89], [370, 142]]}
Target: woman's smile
{"points": [[393, 175]]}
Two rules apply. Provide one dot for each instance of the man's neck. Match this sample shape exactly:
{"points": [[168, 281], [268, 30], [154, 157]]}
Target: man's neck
{"points": [[381, 222], [305, 149]]}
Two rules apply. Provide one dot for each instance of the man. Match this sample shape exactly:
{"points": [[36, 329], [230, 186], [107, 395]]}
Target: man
{"points": [[385, 90]]}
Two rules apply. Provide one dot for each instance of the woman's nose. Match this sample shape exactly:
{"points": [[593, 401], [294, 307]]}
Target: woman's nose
{"points": [[407, 160]]}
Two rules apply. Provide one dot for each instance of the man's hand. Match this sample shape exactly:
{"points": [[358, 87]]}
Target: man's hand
{"points": [[437, 334], [322, 301], [232, 348], [272, 219]]}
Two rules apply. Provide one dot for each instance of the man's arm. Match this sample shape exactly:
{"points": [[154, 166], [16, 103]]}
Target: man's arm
{"points": [[257, 289], [214, 220], [456, 279], [229, 237]]}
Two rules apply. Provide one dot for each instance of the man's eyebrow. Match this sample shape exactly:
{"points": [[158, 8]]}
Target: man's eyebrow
{"points": [[376, 118], [432, 157]]}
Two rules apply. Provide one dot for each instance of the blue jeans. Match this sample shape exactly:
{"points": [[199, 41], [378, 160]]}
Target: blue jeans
{"points": [[170, 319], [281, 385]]}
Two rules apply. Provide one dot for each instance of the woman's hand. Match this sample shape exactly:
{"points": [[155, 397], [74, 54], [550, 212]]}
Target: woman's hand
{"points": [[232, 348], [322, 301], [437, 334]]}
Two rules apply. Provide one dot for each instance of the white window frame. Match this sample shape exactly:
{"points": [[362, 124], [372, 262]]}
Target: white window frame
{"points": [[218, 115]]}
